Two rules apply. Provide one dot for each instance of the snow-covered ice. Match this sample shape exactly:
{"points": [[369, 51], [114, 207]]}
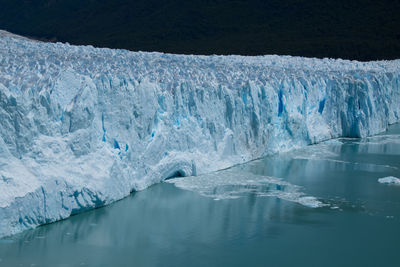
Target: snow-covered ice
{"points": [[389, 180], [82, 127]]}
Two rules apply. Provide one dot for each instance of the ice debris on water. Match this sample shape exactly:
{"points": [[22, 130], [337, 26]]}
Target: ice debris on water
{"points": [[233, 183], [69, 114]]}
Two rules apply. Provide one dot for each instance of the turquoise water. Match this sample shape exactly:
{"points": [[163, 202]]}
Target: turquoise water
{"points": [[257, 214]]}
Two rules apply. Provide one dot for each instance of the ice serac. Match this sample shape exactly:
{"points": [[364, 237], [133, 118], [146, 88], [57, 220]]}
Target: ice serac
{"points": [[82, 127]]}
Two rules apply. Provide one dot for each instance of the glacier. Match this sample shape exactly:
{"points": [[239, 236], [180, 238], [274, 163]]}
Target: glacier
{"points": [[82, 127]]}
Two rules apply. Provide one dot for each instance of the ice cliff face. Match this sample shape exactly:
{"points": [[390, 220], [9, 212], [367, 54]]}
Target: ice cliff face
{"points": [[82, 127]]}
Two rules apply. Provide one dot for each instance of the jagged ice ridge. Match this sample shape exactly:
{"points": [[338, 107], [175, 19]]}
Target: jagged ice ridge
{"points": [[82, 127]]}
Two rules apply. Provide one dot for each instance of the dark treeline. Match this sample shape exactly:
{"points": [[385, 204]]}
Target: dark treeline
{"points": [[351, 29]]}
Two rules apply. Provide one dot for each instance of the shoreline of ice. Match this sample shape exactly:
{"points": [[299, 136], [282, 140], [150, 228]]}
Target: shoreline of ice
{"points": [[82, 127]]}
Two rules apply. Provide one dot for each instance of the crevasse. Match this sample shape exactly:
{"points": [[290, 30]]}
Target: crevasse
{"points": [[82, 127]]}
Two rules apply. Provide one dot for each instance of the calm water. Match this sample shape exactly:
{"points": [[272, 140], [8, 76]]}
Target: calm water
{"points": [[258, 214]]}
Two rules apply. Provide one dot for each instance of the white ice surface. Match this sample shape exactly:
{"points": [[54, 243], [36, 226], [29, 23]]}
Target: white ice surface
{"points": [[82, 127]]}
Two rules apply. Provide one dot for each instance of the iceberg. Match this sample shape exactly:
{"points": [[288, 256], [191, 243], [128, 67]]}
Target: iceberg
{"points": [[82, 127]]}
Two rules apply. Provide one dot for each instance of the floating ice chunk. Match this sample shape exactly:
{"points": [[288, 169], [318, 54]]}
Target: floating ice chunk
{"points": [[389, 180], [311, 202]]}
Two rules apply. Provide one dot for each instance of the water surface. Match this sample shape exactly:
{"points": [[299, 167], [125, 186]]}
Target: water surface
{"points": [[318, 206]]}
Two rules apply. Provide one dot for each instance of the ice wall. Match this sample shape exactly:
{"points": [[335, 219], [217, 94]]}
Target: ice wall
{"points": [[82, 127]]}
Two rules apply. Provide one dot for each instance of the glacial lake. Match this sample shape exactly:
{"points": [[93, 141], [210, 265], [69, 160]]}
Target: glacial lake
{"points": [[317, 206]]}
